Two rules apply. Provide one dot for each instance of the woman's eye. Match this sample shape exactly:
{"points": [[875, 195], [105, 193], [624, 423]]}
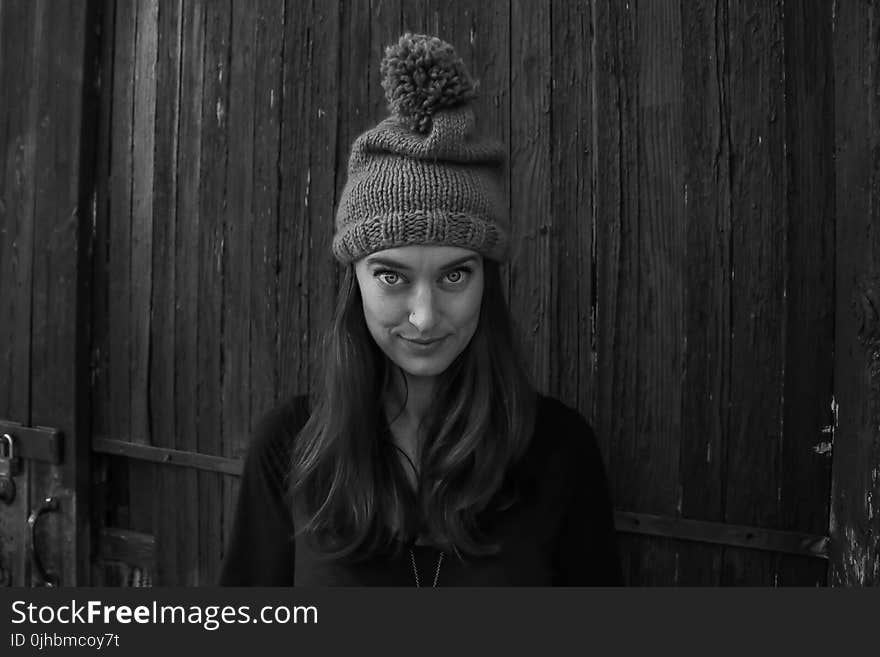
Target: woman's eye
{"points": [[458, 275], [388, 277]]}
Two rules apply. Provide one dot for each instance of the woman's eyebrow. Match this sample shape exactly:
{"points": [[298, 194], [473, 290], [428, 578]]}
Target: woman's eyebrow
{"points": [[386, 262]]}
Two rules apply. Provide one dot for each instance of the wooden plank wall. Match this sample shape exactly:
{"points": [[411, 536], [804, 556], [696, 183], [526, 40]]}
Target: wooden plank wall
{"points": [[48, 53], [671, 190]]}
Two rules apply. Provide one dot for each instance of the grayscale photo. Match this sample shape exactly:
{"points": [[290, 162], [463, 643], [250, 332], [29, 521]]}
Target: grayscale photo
{"points": [[436, 293]]}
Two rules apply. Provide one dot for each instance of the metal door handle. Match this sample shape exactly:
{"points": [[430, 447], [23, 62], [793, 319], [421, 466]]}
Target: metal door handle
{"points": [[49, 504]]}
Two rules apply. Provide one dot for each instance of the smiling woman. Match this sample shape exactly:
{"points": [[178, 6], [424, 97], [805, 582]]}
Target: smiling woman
{"points": [[430, 456], [423, 318]]}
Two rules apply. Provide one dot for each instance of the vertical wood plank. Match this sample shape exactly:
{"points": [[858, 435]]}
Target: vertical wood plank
{"points": [[855, 520], [414, 17], [212, 246], [103, 509], [235, 390], [660, 248], [706, 176], [100, 319], [385, 29], [141, 256], [532, 283], [119, 224], [758, 271], [16, 205], [809, 289], [118, 254], [616, 175], [572, 351], [62, 212], [17, 161], [143, 147], [264, 256], [294, 277], [90, 96], [50, 204], [186, 289], [162, 327], [354, 78], [322, 125]]}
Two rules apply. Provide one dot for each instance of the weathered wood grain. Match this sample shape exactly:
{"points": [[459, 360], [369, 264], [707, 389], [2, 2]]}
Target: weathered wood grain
{"points": [[572, 349], [213, 196], [61, 212], [113, 405], [50, 213], [353, 113], [706, 178], [384, 29], [855, 520], [168, 456], [18, 120], [532, 285], [239, 220], [809, 279], [414, 16], [322, 124], [616, 198], [142, 220], [128, 547], [186, 286], [264, 237], [755, 87], [661, 245], [143, 142], [294, 232], [119, 221], [162, 303], [99, 408]]}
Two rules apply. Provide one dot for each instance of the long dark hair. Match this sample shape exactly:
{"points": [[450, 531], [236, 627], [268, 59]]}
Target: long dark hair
{"points": [[345, 475]]}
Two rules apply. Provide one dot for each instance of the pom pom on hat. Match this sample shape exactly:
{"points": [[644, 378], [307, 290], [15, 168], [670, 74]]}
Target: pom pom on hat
{"points": [[422, 75]]}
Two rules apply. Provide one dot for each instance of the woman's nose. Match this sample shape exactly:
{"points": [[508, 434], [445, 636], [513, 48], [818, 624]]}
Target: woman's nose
{"points": [[422, 313]]}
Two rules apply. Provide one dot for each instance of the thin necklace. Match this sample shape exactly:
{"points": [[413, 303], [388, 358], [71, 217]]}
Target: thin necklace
{"points": [[412, 557], [406, 456]]}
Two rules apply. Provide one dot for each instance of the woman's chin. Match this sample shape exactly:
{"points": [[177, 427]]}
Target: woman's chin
{"points": [[422, 366]]}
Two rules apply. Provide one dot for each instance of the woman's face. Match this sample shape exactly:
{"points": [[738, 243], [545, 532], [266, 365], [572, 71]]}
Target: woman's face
{"points": [[428, 294]]}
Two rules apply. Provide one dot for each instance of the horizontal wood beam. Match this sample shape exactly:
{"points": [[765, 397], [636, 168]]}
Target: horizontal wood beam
{"points": [[168, 456], [758, 538], [128, 547]]}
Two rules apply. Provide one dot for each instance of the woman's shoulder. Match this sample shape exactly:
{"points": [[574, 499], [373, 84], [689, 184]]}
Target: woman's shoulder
{"points": [[562, 429], [563, 449], [276, 429]]}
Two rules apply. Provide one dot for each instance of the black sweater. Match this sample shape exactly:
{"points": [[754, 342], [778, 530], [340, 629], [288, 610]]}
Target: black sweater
{"points": [[561, 532]]}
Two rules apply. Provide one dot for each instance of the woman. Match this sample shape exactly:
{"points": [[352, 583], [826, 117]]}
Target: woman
{"points": [[429, 459]]}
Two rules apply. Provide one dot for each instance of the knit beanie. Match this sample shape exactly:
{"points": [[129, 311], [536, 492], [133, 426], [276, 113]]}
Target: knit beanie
{"points": [[423, 176]]}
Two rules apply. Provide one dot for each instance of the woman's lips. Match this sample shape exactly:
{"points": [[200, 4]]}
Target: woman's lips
{"points": [[424, 346]]}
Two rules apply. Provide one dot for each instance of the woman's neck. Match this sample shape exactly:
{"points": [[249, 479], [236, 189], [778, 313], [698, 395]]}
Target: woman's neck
{"points": [[406, 407], [410, 400]]}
